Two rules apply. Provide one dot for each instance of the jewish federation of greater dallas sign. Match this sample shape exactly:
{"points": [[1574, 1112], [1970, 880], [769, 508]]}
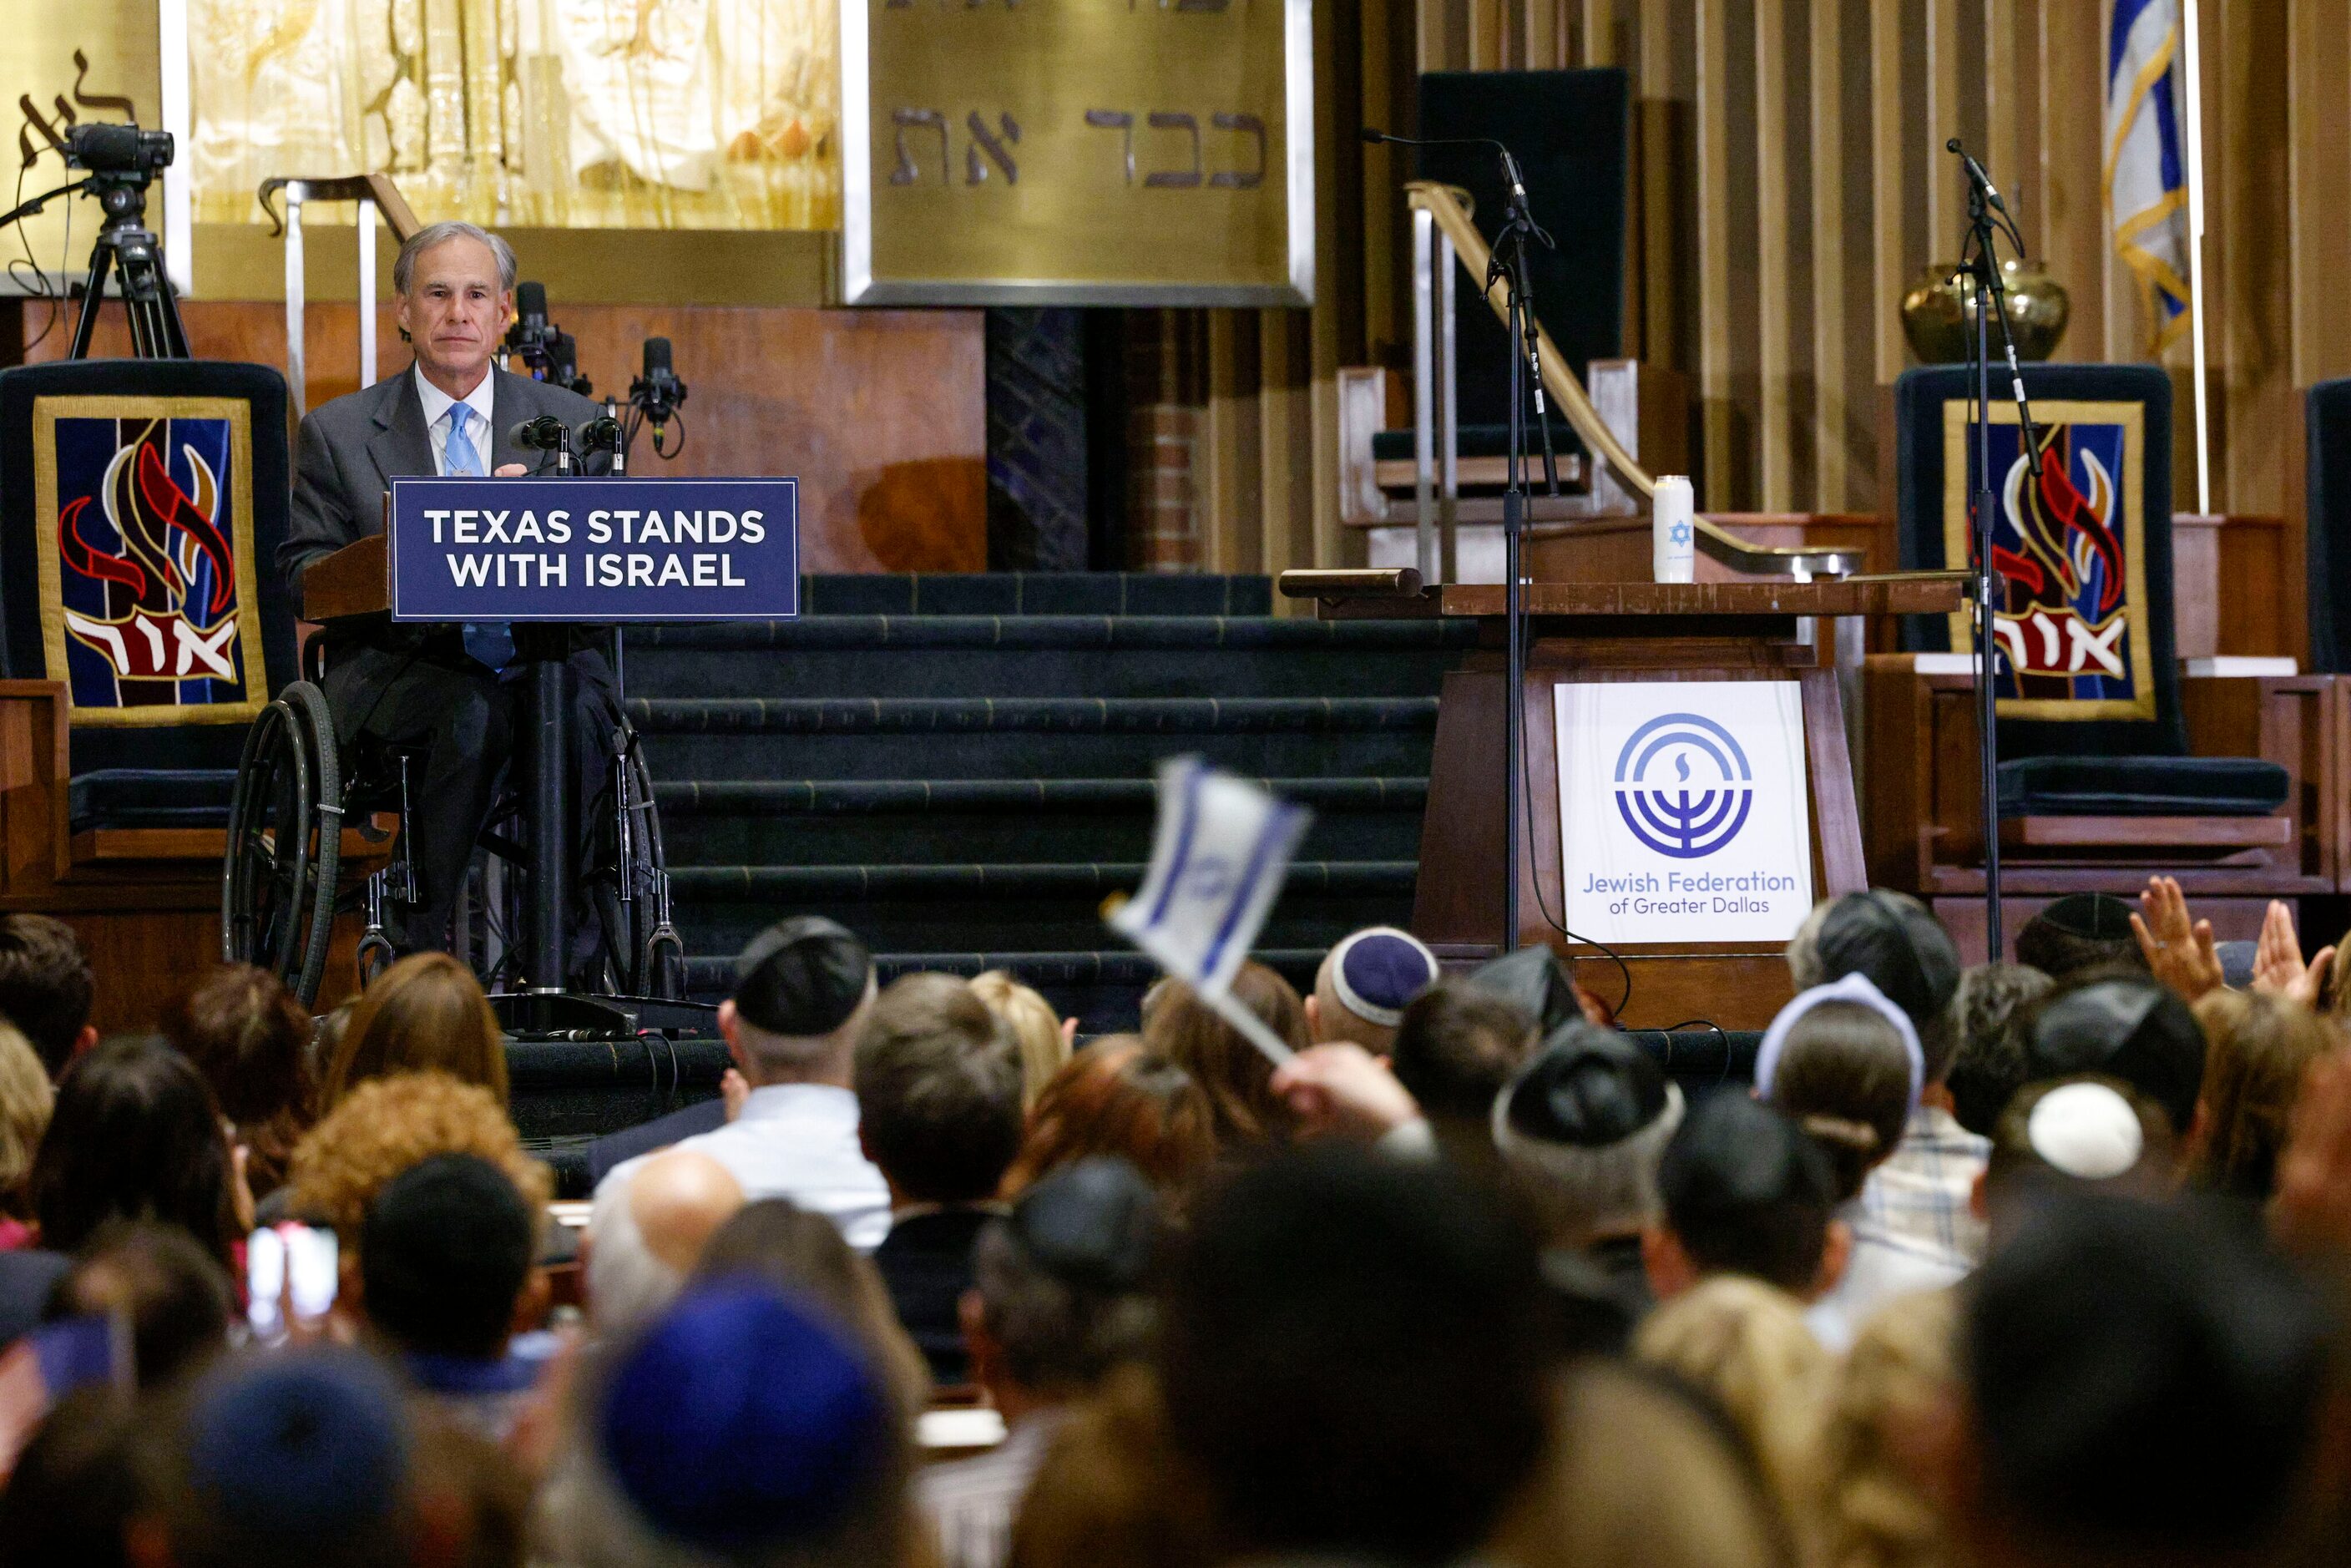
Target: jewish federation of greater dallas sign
{"points": [[1682, 810]]}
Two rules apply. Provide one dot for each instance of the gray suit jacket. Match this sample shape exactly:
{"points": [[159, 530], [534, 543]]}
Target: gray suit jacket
{"points": [[352, 449]]}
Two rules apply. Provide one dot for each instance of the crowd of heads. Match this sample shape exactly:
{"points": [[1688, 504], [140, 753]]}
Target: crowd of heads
{"points": [[2028, 1263]]}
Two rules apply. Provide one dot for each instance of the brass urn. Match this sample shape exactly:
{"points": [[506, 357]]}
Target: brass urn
{"points": [[1939, 314]]}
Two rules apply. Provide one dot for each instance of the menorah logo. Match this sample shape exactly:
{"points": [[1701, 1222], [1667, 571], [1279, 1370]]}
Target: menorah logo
{"points": [[1701, 808]]}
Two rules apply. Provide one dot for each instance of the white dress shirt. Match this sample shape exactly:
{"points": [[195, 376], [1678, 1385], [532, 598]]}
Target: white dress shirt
{"points": [[482, 400], [796, 1141]]}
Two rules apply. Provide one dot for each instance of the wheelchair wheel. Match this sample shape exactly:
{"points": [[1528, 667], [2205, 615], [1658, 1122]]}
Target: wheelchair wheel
{"points": [[284, 842], [642, 953]]}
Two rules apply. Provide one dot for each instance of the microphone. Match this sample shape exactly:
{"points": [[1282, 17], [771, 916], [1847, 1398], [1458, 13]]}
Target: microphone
{"points": [[1976, 172], [658, 392], [546, 433], [530, 304], [1510, 164], [601, 434]]}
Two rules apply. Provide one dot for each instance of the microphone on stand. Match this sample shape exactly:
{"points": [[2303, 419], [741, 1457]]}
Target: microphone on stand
{"points": [[601, 434], [658, 394], [1976, 172], [1510, 174], [546, 433]]}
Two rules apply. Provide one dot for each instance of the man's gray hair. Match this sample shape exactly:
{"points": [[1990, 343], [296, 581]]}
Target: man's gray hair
{"points": [[1585, 1192], [403, 269], [1804, 947]]}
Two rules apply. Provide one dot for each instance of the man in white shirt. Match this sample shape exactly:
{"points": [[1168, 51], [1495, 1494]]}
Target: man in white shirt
{"points": [[803, 990], [443, 693]]}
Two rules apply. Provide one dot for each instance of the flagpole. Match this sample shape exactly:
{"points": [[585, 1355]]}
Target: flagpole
{"points": [[2194, 84]]}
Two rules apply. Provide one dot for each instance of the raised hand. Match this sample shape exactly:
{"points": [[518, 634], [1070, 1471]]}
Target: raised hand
{"points": [[2177, 948], [1342, 1090], [2278, 968]]}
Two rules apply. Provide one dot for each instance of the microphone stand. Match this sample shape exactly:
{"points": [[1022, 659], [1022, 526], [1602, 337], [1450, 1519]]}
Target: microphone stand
{"points": [[1981, 263], [1508, 263]]}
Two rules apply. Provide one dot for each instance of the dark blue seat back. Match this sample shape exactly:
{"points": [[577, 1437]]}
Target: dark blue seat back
{"points": [[141, 504], [2327, 496]]}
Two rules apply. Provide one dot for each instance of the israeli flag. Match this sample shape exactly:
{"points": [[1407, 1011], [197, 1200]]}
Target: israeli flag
{"points": [[2146, 191], [1223, 847]]}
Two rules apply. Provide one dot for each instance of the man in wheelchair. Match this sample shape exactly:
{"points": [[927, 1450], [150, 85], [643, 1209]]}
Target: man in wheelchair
{"points": [[436, 705]]}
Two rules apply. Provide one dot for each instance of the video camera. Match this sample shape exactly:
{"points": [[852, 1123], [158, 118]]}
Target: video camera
{"points": [[107, 148]]}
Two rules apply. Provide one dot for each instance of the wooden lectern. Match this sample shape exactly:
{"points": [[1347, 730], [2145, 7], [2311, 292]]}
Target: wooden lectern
{"points": [[1622, 632]]}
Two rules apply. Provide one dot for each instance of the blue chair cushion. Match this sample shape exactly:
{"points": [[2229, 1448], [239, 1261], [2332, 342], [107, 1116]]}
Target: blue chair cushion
{"points": [[151, 798], [2141, 787]]}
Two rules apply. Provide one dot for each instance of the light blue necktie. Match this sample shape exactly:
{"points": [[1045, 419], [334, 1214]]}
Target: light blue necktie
{"points": [[490, 642]]}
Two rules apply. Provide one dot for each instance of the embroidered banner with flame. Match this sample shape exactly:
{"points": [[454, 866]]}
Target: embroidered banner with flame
{"points": [[2070, 550], [149, 611]]}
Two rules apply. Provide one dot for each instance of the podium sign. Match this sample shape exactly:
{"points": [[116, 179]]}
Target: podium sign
{"points": [[1683, 811], [594, 549]]}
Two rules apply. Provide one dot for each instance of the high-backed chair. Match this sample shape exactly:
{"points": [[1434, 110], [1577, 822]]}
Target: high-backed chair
{"points": [[141, 506], [2327, 494], [2110, 768]]}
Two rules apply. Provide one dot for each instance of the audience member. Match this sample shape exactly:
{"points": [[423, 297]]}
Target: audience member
{"points": [[1877, 1508], [385, 1126], [1892, 940], [1363, 985], [743, 1429], [1745, 1192], [2278, 967], [171, 1291], [1113, 1488], [1353, 1358], [2087, 1130], [251, 1040], [645, 1235], [1340, 1089], [2136, 1029], [1580, 1130], [2177, 950], [445, 1272], [1844, 1062], [1061, 1300], [425, 1014], [1989, 1065], [2144, 1386], [938, 1081], [1537, 981], [1044, 1036], [27, 1099], [803, 1255], [1458, 1044], [1746, 1345], [2079, 935], [1238, 1078], [88, 1473], [2261, 1049], [1116, 1098], [296, 1460], [45, 986], [1642, 1472], [804, 988], [135, 1135]]}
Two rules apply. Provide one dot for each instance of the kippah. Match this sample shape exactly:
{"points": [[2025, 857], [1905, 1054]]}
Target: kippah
{"points": [[1586, 1086], [803, 977], [1377, 971], [1737, 1154], [1534, 979], [2133, 1029], [2143, 1375], [305, 1443], [742, 1419], [1857, 988], [1903, 950], [1094, 1223], [2100, 916], [2086, 1131]]}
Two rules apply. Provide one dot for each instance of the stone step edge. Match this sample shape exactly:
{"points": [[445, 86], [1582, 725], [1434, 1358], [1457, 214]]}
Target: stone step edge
{"points": [[1039, 877], [829, 797], [1068, 716]]}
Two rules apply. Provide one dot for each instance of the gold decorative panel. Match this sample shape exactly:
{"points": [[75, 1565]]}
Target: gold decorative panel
{"points": [[1078, 152]]}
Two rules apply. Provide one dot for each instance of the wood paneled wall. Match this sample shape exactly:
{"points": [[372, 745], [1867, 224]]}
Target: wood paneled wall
{"points": [[1792, 184]]}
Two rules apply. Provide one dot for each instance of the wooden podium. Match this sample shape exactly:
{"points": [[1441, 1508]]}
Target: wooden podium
{"points": [[1631, 631]]}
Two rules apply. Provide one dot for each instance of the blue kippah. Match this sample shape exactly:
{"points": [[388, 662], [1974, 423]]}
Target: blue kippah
{"points": [[743, 1419], [297, 1444], [1377, 972]]}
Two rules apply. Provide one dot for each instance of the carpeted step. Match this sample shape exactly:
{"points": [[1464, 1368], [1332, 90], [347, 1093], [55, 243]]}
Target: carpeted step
{"points": [[829, 822], [1035, 593], [1043, 655]]}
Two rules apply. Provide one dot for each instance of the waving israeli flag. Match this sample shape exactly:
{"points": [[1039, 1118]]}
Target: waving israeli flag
{"points": [[1223, 847], [2146, 191]]}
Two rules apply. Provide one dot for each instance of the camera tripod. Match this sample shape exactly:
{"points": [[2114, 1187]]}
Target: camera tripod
{"points": [[125, 246]]}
